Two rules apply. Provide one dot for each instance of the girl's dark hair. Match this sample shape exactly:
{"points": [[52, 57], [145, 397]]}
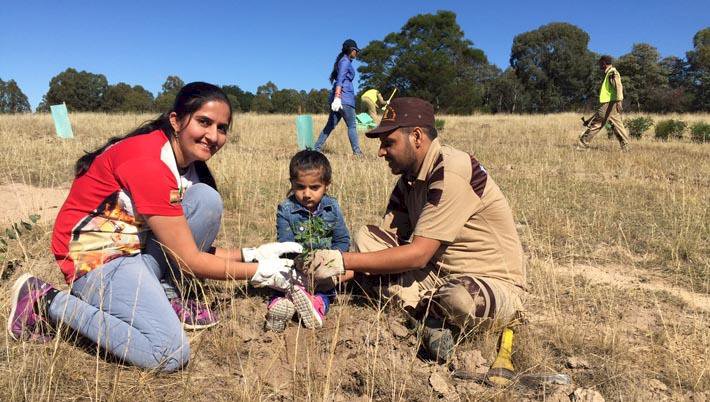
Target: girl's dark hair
{"points": [[188, 100], [334, 73], [306, 160]]}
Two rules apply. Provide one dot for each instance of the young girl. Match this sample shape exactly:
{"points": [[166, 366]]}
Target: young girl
{"points": [[306, 210], [127, 209]]}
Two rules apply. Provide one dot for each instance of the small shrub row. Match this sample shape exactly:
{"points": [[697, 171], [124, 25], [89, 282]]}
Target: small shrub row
{"points": [[638, 125], [700, 132], [671, 128], [665, 129]]}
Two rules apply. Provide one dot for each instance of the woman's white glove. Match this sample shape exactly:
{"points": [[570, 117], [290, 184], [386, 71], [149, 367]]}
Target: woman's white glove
{"points": [[270, 250], [276, 273], [336, 105]]}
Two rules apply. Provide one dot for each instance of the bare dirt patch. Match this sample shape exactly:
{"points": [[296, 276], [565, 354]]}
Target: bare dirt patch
{"points": [[17, 201], [626, 277]]}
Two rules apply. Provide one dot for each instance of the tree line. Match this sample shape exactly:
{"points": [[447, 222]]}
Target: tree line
{"points": [[83, 91], [551, 70]]}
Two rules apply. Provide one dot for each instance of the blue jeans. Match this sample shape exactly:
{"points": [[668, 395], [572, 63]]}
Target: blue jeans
{"points": [[347, 112], [121, 306]]}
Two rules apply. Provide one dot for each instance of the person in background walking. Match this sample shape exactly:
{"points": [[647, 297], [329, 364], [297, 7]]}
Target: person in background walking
{"points": [[342, 97], [611, 95]]}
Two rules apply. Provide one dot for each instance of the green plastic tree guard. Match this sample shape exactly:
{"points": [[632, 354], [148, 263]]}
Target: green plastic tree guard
{"points": [[62, 125], [304, 131]]}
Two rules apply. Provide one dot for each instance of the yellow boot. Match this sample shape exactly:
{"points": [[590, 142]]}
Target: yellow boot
{"points": [[502, 371]]}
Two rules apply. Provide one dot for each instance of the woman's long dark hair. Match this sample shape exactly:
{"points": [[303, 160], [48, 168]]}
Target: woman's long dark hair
{"points": [[334, 73], [188, 100]]}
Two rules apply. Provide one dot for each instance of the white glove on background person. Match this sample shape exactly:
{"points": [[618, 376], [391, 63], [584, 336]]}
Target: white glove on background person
{"points": [[276, 273], [336, 105], [270, 250]]}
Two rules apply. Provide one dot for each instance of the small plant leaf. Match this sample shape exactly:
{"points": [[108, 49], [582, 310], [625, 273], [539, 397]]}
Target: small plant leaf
{"points": [[26, 225], [34, 218], [10, 234]]}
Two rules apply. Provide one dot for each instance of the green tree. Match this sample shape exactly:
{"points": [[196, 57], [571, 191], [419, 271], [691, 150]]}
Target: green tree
{"points": [[678, 95], [429, 58], [676, 69], [234, 102], [317, 101], [80, 90], [124, 98], [506, 94], [12, 99], [699, 70], [245, 100], [172, 85], [233, 92], [288, 101], [241, 100], [643, 77], [555, 66], [262, 101]]}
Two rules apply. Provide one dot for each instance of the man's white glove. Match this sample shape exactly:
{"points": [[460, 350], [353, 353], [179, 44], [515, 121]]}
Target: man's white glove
{"points": [[276, 273], [385, 106], [322, 264], [336, 105], [270, 250]]}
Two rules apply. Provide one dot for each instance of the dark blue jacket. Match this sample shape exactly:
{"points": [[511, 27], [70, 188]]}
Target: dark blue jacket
{"points": [[290, 215]]}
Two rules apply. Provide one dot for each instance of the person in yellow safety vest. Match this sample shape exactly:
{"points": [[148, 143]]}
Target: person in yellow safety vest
{"points": [[611, 95], [371, 100]]}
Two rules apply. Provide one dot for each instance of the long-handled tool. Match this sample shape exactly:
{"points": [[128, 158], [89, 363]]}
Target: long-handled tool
{"points": [[585, 122], [389, 99]]}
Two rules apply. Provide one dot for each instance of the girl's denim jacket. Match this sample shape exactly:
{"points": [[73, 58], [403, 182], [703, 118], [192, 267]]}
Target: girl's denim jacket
{"points": [[290, 216]]}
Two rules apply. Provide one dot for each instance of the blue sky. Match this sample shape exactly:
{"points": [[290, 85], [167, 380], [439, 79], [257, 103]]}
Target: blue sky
{"points": [[290, 43]]}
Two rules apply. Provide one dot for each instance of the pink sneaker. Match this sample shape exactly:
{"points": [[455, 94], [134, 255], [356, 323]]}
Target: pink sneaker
{"points": [[279, 312], [310, 308], [193, 314], [26, 322]]}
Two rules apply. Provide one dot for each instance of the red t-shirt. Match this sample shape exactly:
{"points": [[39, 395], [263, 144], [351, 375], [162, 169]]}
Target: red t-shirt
{"points": [[102, 218]]}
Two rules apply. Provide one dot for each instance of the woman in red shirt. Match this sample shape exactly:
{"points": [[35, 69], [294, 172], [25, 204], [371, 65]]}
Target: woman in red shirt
{"points": [[133, 201]]}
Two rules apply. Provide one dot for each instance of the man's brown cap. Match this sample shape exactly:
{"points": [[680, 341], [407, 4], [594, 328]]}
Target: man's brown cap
{"points": [[404, 112]]}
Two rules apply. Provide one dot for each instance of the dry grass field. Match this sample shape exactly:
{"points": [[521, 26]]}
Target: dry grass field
{"points": [[619, 270]]}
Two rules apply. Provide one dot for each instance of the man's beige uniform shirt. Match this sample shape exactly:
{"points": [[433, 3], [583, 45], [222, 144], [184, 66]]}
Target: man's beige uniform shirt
{"points": [[615, 80], [454, 200]]}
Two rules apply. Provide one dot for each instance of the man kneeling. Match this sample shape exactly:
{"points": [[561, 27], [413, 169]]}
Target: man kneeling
{"points": [[448, 233]]}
